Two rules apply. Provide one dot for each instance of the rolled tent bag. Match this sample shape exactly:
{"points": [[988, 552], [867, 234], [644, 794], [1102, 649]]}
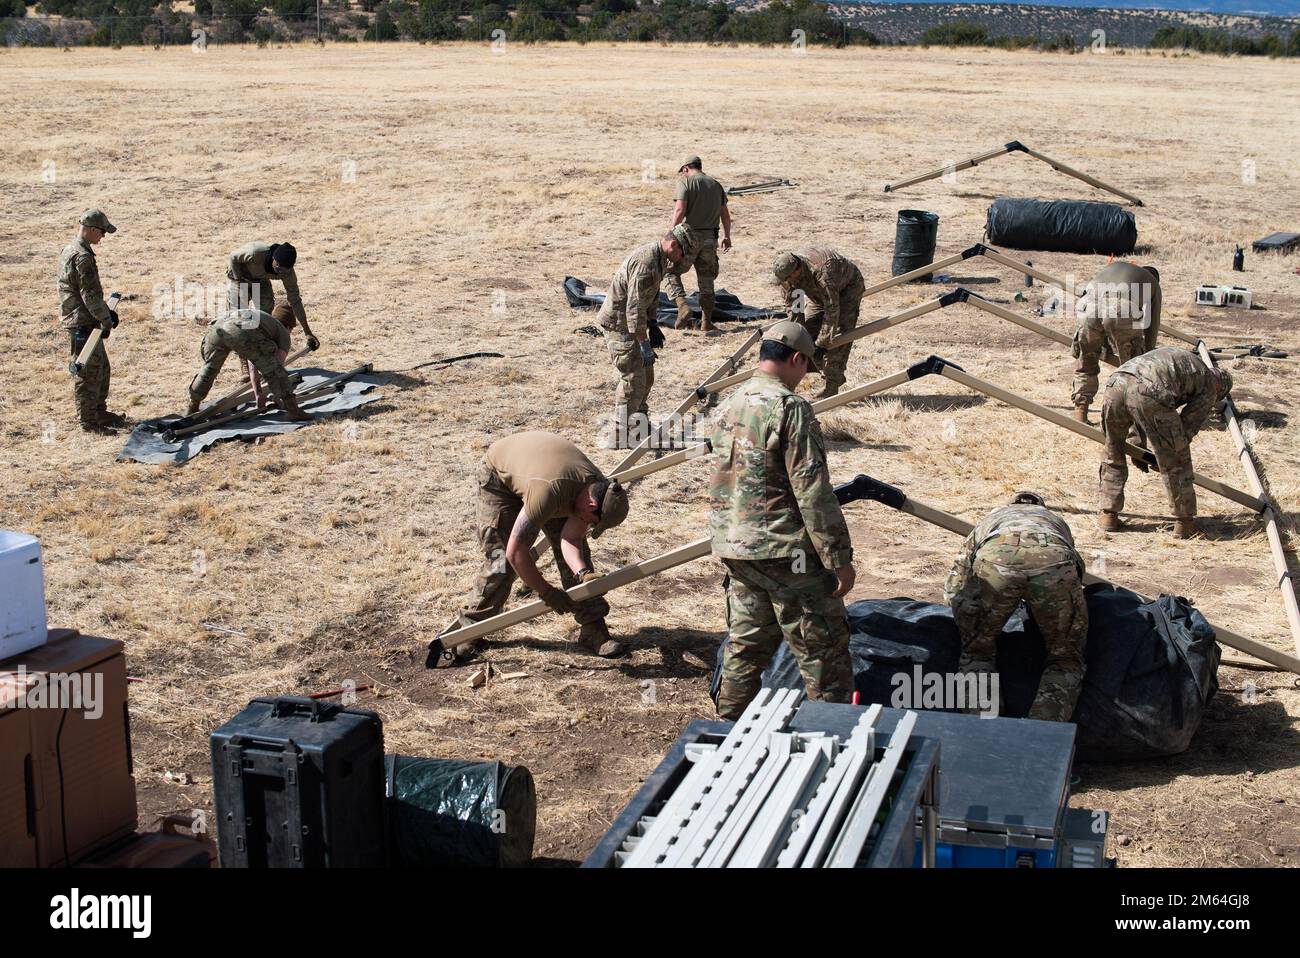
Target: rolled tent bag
{"points": [[1061, 226], [445, 813], [915, 237]]}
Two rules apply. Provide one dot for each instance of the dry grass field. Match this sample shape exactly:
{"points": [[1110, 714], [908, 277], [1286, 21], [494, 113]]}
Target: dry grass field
{"points": [[481, 180]]}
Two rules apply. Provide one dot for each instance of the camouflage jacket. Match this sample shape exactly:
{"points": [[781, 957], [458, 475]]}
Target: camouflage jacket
{"points": [[252, 264], [1040, 539], [81, 298], [771, 491], [1174, 377], [1116, 295], [824, 276], [633, 297]]}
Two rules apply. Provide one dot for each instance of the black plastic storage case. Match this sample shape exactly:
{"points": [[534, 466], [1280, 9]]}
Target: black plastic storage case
{"points": [[299, 784]]}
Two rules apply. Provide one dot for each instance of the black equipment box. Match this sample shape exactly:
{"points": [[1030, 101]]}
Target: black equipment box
{"points": [[299, 783]]}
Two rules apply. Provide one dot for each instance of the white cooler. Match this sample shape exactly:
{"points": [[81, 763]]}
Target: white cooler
{"points": [[22, 594]]}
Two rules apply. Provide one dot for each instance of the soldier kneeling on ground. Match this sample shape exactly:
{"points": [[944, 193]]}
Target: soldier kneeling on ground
{"points": [[1023, 552], [258, 339], [535, 482], [1145, 394]]}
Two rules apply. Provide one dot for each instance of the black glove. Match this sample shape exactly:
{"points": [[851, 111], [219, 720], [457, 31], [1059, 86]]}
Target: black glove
{"points": [[819, 355], [1140, 463], [557, 599], [656, 335], [105, 331], [113, 314], [313, 343], [647, 353]]}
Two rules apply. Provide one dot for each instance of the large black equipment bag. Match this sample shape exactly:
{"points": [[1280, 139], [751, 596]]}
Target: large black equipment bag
{"points": [[299, 783], [1152, 666]]}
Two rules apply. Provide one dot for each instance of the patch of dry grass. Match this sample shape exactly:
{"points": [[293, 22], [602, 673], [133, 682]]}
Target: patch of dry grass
{"points": [[338, 552]]}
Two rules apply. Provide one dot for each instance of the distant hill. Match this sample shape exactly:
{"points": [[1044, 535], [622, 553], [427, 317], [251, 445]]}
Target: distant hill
{"points": [[905, 22]]}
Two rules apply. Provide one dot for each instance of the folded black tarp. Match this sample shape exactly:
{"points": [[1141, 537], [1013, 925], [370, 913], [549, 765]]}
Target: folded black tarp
{"points": [[725, 306], [148, 442], [444, 813], [1152, 666], [1062, 226]]}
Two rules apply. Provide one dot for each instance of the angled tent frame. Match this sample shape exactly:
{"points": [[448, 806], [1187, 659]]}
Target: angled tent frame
{"points": [[980, 249], [862, 487], [1015, 146]]}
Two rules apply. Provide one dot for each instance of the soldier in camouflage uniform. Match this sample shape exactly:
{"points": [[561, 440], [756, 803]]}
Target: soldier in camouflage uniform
{"points": [[1023, 553], [1117, 317], [1145, 394], [534, 482], [832, 288], [698, 210], [249, 275], [81, 309], [257, 338], [778, 529], [625, 316]]}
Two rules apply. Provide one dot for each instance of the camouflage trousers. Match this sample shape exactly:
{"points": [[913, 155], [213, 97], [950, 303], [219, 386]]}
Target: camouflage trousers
{"points": [[1091, 343], [704, 260], [635, 378], [837, 360], [768, 602], [1124, 408], [251, 345], [90, 386], [983, 594], [498, 509]]}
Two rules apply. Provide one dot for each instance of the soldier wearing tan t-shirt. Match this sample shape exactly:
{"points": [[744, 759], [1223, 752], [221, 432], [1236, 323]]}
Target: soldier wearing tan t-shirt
{"points": [[535, 482]]}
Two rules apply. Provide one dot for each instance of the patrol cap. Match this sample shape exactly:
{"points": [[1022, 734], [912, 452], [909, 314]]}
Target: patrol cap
{"points": [[1025, 497], [691, 161], [613, 505], [785, 264], [682, 234], [96, 219], [791, 334], [284, 255]]}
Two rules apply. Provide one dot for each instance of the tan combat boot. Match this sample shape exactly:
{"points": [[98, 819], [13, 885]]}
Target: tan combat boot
{"points": [[291, 408], [1081, 414], [830, 389], [1185, 527], [1109, 521], [683, 312], [595, 637], [706, 322]]}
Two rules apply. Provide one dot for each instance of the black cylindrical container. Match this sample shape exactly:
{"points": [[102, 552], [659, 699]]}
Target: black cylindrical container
{"points": [[914, 240]]}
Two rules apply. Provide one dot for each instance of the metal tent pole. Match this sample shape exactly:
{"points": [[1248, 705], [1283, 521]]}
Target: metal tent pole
{"points": [[1285, 582], [865, 487]]}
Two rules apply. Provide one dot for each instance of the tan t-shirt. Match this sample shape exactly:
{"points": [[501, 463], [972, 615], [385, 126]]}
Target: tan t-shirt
{"points": [[544, 470]]}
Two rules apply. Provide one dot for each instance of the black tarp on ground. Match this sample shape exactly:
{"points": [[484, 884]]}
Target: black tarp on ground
{"points": [[725, 307], [1151, 666], [1061, 226], [148, 444], [444, 813]]}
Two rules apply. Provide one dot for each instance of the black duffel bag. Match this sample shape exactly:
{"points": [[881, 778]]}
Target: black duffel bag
{"points": [[1061, 226]]}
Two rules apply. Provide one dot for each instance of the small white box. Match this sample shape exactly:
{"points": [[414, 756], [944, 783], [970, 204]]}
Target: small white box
{"points": [[22, 594]]}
